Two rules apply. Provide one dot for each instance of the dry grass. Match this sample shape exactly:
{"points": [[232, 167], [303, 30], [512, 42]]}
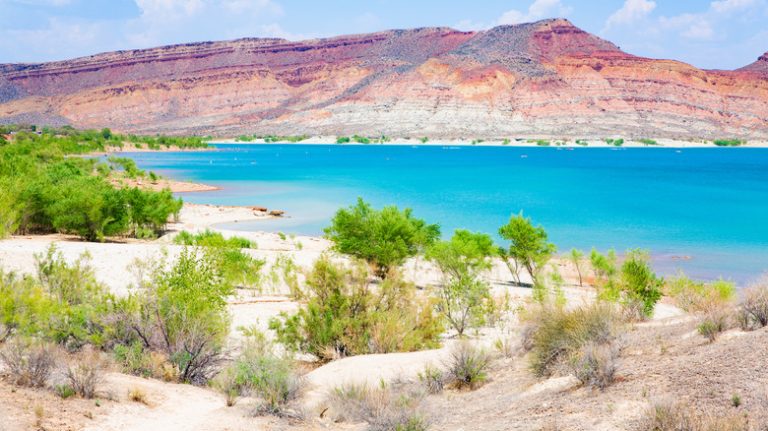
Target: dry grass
{"points": [[137, 395], [85, 376], [596, 364], [670, 416], [754, 305]]}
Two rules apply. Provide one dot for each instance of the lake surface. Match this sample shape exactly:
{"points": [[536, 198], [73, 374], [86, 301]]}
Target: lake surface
{"points": [[701, 210]]}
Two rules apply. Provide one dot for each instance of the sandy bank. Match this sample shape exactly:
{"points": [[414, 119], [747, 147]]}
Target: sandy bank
{"points": [[565, 143]]}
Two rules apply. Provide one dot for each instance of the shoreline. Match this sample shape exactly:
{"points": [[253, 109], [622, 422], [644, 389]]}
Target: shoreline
{"points": [[526, 143]]}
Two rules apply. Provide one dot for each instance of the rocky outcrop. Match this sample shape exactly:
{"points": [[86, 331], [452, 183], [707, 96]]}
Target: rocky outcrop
{"points": [[543, 79]]}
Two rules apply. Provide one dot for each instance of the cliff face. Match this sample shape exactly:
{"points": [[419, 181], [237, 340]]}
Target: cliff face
{"points": [[541, 79]]}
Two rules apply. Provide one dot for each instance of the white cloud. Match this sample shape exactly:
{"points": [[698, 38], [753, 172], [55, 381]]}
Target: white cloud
{"points": [[539, 9], [632, 11]]}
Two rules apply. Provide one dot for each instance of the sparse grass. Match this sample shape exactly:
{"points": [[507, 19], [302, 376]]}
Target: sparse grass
{"points": [[382, 408], [64, 391], [210, 238], [714, 322], [28, 362], [467, 366]]}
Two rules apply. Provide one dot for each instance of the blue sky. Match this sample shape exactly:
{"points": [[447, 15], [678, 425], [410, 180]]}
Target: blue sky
{"points": [[706, 33]]}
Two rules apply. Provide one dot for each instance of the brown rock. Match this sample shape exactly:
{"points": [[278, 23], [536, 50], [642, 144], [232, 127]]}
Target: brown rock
{"points": [[277, 213]]}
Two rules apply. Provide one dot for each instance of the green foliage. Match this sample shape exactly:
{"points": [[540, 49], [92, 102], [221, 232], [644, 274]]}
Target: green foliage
{"points": [[237, 267], [258, 371], [43, 190], [361, 139], [343, 140], [382, 408], [345, 316], [128, 166], [694, 296], [468, 366], [424, 140], [577, 257], [582, 142], [384, 238], [181, 311], [542, 143], [463, 294], [615, 142], [529, 246], [648, 142], [505, 141], [639, 282], [729, 142]]}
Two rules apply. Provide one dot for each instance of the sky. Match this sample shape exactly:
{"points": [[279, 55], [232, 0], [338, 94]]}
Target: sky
{"points": [[713, 34]]}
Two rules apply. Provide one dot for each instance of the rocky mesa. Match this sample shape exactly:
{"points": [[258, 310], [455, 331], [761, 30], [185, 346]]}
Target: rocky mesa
{"points": [[546, 79]]}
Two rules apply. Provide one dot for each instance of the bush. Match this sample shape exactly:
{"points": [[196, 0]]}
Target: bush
{"points": [[595, 364], [181, 312], [137, 395], [258, 371], [237, 267], [529, 246], [384, 238], [639, 282], [29, 363], [382, 408], [432, 378], [467, 366], [753, 306], [556, 335], [728, 142], [85, 376], [699, 297], [344, 316], [463, 295]]}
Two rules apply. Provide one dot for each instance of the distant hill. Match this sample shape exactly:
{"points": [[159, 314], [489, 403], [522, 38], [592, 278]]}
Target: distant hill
{"points": [[543, 79]]}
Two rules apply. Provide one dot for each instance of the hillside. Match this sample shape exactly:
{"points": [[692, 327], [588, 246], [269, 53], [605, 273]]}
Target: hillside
{"points": [[543, 79]]}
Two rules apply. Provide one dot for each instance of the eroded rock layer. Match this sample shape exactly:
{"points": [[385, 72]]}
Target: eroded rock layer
{"points": [[544, 79]]}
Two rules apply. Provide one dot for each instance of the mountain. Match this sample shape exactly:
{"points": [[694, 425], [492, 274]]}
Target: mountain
{"points": [[542, 79]]}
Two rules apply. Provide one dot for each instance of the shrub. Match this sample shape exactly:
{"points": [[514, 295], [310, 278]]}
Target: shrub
{"points": [[343, 140], [648, 142], [85, 376], [137, 360], [432, 378], [595, 364], [181, 312], [29, 363], [639, 282], [467, 366], [64, 391], [754, 305], [463, 295], [556, 335], [714, 322], [382, 408], [344, 316], [137, 395], [383, 238], [695, 297], [257, 371], [728, 142], [576, 257], [529, 246]]}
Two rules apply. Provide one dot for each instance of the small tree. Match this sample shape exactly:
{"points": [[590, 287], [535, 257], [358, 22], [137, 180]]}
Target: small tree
{"points": [[639, 282], [461, 260], [576, 257], [529, 246], [384, 238]]}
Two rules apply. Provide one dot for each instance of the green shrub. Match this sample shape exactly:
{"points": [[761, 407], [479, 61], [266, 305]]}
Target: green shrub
{"points": [[343, 140], [648, 142], [181, 312], [694, 297], [639, 282], [529, 246], [261, 373], [432, 378], [542, 143], [463, 294], [728, 142], [344, 316], [237, 267], [384, 238]]}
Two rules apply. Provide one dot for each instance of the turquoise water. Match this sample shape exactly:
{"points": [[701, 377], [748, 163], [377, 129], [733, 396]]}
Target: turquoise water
{"points": [[701, 210]]}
